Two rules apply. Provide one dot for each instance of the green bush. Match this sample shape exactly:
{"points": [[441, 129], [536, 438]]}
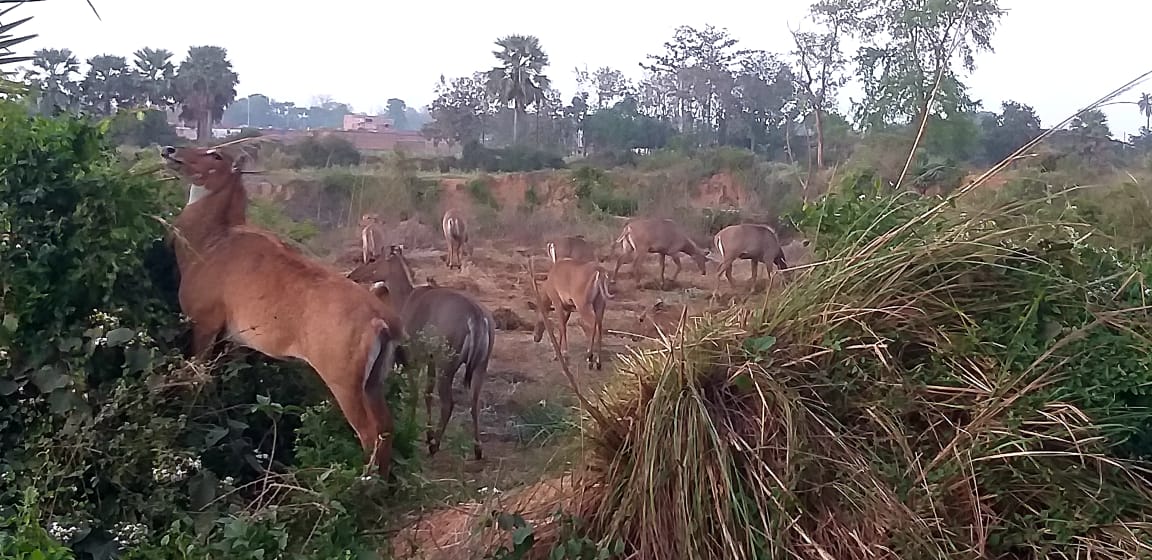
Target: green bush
{"points": [[480, 189], [596, 193], [326, 151], [476, 156], [126, 445]]}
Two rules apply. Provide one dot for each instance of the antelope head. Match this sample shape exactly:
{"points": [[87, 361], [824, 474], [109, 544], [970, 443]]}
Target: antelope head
{"points": [[209, 169], [369, 219], [654, 308]]}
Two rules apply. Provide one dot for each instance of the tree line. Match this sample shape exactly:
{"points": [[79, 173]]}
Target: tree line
{"points": [[705, 88], [202, 87], [261, 111]]}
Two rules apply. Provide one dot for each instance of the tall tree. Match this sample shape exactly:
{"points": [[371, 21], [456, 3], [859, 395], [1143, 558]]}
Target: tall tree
{"points": [[821, 61], [1090, 129], [701, 63], [762, 104], [611, 86], [110, 84], [1016, 125], [459, 110], [397, 111], [911, 48], [205, 86], [52, 80], [1145, 106], [519, 79], [156, 73]]}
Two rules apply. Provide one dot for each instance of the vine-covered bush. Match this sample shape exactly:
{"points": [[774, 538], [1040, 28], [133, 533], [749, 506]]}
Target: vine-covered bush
{"points": [[108, 436]]}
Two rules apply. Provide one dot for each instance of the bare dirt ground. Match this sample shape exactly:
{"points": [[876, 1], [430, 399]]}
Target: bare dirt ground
{"points": [[528, 417]]}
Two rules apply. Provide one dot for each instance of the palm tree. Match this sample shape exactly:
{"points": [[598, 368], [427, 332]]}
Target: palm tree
{"points": [[205, 85], [8, 41], [51, 78], [1145, 106], [519, 79], [156, 73], [110, 84]]}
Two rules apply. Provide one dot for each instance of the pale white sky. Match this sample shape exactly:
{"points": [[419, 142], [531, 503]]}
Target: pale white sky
{"points": [[1055, 56]]}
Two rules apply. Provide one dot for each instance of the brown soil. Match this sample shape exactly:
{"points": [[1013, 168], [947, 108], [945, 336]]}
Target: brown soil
{"points": [[524, 377]]}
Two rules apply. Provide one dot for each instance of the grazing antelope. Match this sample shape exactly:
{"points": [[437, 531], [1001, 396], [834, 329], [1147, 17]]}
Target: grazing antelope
{"points": [[755, 242], [571, 247], [456, 237], [655, 235], [581, 287], [371, 236], [659, 316], [466, 326], [247, 284]]}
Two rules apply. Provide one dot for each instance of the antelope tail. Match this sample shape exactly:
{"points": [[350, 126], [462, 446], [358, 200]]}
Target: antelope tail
{"points": [[779, 260], [600, 284], [625, 239], [385, 353], [477, 347]]}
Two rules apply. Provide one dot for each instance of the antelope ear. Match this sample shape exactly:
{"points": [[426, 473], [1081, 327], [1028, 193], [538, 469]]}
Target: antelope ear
{"points": [[396, 250], [379, 289], [658, 305]]}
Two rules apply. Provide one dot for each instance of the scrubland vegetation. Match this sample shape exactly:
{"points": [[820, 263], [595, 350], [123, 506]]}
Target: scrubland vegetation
{"points": [[963, 371]]}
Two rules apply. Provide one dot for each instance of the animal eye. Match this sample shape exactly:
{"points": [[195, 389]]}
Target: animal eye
{"points": [[217, 156]]}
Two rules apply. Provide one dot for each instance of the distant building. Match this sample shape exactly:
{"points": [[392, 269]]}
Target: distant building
{"points": [[367, 123]]}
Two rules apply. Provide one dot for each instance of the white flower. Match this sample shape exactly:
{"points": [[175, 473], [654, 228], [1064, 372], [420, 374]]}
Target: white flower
{"points": [[174, 469], [129, 534], [62, 533]]}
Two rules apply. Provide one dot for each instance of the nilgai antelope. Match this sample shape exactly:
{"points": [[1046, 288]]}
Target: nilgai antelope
{"points": [[455, 236], [655, 235], [581, 287], [246, 284], [571, 247], [660, 316], [755, 242], [371, 236], [466, 326]]}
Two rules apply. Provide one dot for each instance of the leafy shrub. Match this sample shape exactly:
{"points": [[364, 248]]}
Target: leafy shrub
{"points": [[718, 219], [596, 193], [326, 151], [125, 444], [480, 189], [142, 128], [269, 215], [476, 156]]}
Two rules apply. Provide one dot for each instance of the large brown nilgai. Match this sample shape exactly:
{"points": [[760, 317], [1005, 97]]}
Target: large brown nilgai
{"points": [[581, 287], [455, 236], [371, 236], [642, 236], [755, 242], [247, 284], [466, 327]]}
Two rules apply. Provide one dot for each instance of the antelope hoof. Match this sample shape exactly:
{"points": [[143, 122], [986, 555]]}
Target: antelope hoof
{"points": [[433, 444], [477, 452]]}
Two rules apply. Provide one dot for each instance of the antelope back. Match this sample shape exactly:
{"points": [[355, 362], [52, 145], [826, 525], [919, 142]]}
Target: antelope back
{"points": [[453, 225], [571, 247]]}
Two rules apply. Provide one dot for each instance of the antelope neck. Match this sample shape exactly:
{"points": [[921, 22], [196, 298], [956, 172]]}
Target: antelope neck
{"points": [[196, 192]]}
